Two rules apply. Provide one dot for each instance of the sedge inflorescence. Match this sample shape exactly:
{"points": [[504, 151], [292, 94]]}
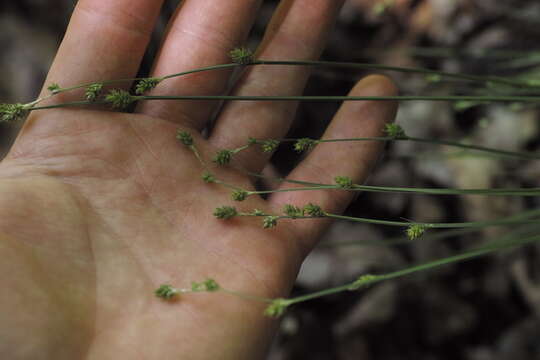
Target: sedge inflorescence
{"points": [[146, 85], [93, 92], [241, 55], [12, 112], [121, 99], [166, 292]]}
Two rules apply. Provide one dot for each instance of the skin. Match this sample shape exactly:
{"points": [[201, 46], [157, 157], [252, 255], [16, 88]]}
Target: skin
{"points": [[100, 208]]}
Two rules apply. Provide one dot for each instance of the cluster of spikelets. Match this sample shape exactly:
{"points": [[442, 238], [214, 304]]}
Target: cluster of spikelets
{"points": [[122, 100]]}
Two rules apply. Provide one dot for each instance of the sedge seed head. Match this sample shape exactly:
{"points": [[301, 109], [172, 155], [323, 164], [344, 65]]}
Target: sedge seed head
{"points": [[269, 145], [146, 85], [225, 212], [313, 210], [184, 137], [208, 178], [304, 144], [395, 131], [54, 88], [119, 99], [292, 211], [223, 157], [270, 221], [344, 182], [166, 292], [239, 195], [415, 231], [209, 285], [276, 308], [93, 92], [12, 112], [241, 55]]}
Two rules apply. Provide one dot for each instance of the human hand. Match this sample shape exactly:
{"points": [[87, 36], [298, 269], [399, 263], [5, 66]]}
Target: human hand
{"points": [[99, 208]]}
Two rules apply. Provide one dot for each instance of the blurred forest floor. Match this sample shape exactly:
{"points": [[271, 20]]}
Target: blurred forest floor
{"points": [[485, 309]]}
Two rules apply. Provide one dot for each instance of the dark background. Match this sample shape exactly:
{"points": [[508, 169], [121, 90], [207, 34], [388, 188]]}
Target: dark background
{"points": [[487, 308]]}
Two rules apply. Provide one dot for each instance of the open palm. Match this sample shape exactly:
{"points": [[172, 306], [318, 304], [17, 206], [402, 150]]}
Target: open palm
{"points": [[97, 209]]}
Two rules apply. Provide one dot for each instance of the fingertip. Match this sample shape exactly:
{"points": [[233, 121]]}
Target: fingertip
{"points": [[375, 85], [378, 112]]}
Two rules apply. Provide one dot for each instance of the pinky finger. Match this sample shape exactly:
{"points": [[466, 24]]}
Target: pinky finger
{"points": [[352, 159]]}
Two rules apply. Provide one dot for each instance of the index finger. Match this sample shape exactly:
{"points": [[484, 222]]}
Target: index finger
{"points": [[105, 40]]}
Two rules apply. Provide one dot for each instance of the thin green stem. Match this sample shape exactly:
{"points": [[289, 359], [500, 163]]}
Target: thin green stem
{"points": [[241, 148], [222, 183], [481, 53], [397, 239], [366, 66], [531, 99], [119, 81], [478, 99], [195, 151], [389, 189], [527, 229], [485, 250], [447, 191], [207, 68], [319, 294], [523, 218], [524, 155], [246, 296], [67, 104]]}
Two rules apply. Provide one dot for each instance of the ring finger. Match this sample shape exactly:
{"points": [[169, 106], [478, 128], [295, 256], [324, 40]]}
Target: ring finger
{"points": [[297, 31]]}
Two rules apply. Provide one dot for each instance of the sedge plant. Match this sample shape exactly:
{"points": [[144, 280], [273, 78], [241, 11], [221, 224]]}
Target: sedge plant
{"points": [[105, 93]]}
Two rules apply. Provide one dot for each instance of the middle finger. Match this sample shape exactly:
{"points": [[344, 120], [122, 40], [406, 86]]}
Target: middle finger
{"points": [[201, 33]]}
